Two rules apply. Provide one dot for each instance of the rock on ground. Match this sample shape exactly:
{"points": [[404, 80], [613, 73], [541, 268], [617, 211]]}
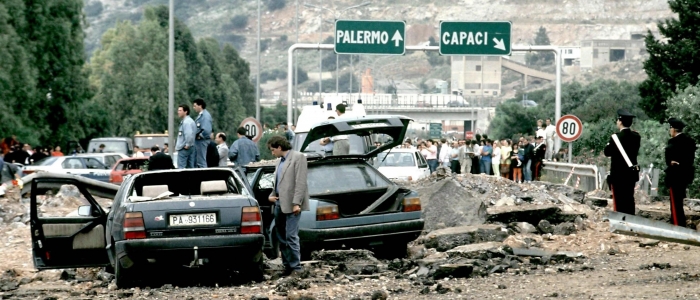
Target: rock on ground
{"points": [[448, 238], [448, 203]]}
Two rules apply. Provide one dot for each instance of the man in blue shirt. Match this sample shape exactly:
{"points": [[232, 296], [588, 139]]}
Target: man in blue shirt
{"points": [[243, 151], [185, 138], [204, 128], [485, 163]]}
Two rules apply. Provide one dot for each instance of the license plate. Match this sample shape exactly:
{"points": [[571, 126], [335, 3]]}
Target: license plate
{"points": [[193, 219]]}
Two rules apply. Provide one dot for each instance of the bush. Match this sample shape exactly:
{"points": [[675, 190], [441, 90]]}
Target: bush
{"points": [[238, 22], [273, 5], [283, 38], [264, 44], [265, 153]]}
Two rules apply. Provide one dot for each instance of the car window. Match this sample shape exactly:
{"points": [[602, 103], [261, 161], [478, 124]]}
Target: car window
{"points": [[110, 160], [93, 163], [395, 159], [65, 206], [357, 144], [421, 161], [267, 181], [120, 167], [46, 161], [110, 147], [342, 178], [72, 163]]}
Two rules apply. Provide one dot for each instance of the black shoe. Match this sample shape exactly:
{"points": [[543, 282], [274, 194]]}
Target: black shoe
{"points": [[287, 272]]}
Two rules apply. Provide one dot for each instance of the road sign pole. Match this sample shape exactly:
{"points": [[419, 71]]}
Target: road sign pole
{"points": [[570, 151]]}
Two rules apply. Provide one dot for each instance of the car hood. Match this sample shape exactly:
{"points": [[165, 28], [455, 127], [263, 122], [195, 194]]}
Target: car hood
{"points": [[392, 125]]}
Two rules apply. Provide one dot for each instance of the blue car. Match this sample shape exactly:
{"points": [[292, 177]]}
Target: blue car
{"points": [[352, 205]]}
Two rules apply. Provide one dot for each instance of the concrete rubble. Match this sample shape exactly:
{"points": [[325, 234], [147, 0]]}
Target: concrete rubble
{"points": [[480, 230]]}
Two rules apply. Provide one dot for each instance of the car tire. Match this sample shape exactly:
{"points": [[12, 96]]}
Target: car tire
{"points": [[391, 251], [274, 251], [123, 277], [254, 271]]}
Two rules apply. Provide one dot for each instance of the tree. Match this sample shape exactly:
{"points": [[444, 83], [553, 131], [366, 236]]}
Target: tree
{"points": [[674, 61], [52, 35], [542, 58]]}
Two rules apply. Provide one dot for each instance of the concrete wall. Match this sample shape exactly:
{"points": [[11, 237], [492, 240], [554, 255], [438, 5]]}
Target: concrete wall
{"points": [[596, 53], [469, 72]]}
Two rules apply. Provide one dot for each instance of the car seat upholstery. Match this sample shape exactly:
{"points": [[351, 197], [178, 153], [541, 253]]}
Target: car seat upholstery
{"points": [[154, 190], [213, 187]]}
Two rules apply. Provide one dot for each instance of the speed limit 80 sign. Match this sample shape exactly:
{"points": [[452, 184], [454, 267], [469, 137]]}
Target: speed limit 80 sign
{"points": [[569, 128], [253, 128]]}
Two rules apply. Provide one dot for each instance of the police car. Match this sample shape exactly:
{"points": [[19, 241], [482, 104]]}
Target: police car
{"points": [[83, 165]]}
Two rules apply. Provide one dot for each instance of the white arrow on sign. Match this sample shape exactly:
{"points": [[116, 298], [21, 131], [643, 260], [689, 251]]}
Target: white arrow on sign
{"points": [[397, 38], [499, 44]]}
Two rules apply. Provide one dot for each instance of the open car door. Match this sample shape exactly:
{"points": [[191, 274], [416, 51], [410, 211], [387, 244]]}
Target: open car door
{"points": [[68, 227]]}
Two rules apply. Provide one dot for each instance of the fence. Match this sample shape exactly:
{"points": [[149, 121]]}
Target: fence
{"points": [[591, 177], [584, 177]]}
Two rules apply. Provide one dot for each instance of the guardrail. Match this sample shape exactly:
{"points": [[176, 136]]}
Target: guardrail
{"points": [[583, 177]]}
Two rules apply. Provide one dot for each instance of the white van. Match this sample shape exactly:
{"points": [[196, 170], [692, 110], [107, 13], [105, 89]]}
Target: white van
{"points": [[314, 114]]}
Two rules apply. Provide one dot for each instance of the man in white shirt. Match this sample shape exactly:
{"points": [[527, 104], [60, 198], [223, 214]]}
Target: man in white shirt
{"points": [[137, 152], [221, 149], [341, 146], [540, 128], [496, 159], [549, 133], [444, 153]]}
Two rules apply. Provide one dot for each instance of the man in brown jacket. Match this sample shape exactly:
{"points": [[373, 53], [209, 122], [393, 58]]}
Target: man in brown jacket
{"points": [[290, 196]]}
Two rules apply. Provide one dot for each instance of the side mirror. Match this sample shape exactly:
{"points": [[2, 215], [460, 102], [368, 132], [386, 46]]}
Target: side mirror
{"points": [[85, 211]]}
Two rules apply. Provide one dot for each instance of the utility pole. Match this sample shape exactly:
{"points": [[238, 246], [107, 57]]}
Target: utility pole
{"points": [[296, 69], [257, 79], [171, 78]]}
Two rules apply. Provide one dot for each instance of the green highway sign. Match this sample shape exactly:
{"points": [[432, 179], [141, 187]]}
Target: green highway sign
{"points": [[370, 37], [435, 130], [475, 38]]}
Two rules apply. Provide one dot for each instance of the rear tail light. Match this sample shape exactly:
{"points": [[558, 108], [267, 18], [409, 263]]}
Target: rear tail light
{"points": [[111, 178], [324, 213], [411, 204], [134, 227], [251, 220]]}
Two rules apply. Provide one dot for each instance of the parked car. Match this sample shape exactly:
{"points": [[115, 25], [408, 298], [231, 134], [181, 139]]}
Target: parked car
{"points": [[351, 203], [108, 159], [87, 166], [457, 103], [421, 103], [127, 166], [205, 218], [402, 164]]}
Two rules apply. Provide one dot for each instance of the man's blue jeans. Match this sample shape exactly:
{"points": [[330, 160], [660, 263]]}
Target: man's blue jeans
{"points": [[185, 158], [287, 233], [433, 164], [485, 166], [527, 172]]}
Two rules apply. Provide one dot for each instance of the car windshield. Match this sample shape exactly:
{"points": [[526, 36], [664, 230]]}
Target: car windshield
{"points": [[46, 161], [146, 142], [357, 144], [331, 179], [110, 147], [395, 159]]}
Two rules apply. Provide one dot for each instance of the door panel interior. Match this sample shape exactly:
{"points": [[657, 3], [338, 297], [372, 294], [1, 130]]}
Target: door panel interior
{"points": [[60, 237]]}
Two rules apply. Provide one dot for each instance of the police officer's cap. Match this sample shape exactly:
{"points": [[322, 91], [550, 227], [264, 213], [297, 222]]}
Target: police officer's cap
{"points": [[624, 114], [676, 123]]}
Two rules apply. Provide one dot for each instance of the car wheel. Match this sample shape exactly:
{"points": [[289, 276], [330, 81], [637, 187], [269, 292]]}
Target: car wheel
{"points": [[254, 271], [123, 277], [274, 251], [391, 250]]}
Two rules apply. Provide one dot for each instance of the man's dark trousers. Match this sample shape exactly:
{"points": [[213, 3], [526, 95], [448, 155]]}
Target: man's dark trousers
{"points": [[287, 233], [677, 193], [623, 196]]}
